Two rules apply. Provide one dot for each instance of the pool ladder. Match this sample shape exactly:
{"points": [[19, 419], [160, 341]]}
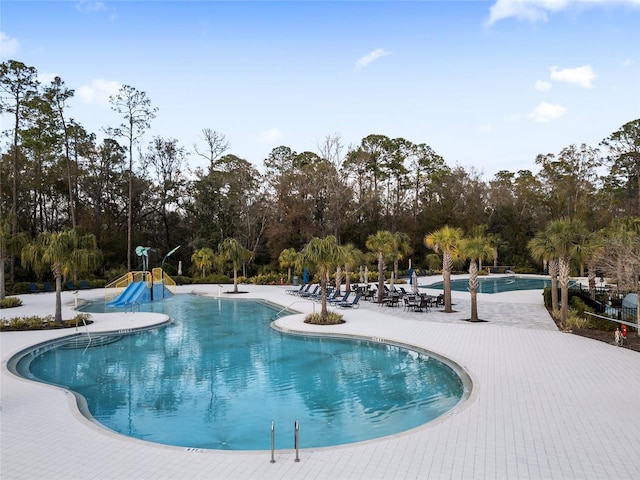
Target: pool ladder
{"points": [[296, 437]]}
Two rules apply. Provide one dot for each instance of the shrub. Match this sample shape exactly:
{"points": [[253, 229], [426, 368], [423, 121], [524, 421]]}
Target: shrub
{"points": [[20, 288], [333, 318], [575, 321], [580, 307], [272, 279], [266, 279], [525, 270], [215, 278], [596, 323], [182, 280], [546, 294], [10, 302], [35, 322], [80, 318]]}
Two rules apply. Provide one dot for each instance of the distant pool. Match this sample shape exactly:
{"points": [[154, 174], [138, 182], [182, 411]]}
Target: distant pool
{"points": [[497, 284]]}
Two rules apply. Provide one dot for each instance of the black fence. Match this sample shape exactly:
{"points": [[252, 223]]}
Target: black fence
{"points": [[626, 314]]}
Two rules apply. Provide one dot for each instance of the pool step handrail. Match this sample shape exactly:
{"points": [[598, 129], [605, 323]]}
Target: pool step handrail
{"points": [[296, 438], [273, 441], [277, 315]]}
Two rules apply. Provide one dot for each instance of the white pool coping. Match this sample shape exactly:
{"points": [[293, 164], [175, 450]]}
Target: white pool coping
{"points": [[545, 404]]}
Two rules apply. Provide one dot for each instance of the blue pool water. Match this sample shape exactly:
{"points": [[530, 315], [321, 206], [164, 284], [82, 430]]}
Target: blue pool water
{"points": [[219, 374], [497, 284]]}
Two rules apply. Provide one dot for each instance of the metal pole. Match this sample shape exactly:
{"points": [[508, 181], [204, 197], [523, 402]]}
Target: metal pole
{"points": [[273, 441], [296, 438]]}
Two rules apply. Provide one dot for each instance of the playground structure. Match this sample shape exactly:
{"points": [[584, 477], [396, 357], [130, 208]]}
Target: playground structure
{"points": [[134, 288]]}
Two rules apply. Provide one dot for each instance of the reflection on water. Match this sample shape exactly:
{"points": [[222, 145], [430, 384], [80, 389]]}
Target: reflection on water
{"points": [[218, 376]]}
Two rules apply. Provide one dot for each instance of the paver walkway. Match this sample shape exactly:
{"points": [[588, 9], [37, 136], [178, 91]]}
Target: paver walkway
{"points": [[545, 405]]}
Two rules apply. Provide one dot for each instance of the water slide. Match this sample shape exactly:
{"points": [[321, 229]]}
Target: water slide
{"points": [[132, 293]]}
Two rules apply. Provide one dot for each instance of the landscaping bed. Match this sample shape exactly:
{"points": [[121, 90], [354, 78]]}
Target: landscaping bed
{"points": [[632, 342]]}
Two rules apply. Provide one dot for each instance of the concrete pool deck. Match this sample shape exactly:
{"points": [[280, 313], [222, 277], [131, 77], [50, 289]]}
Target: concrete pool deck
{"points": [[545, 404]]}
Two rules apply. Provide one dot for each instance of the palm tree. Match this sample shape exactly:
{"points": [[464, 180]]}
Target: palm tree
{"points": [[445, 241], [353, 256], [63, 252], [322, 254], [383, 245], [9, 244], [587, 253], [287, 259], [542, 249], [495, 242], [403, 249], [203, 259], [566, 234], [230, 249], [476, 248]]}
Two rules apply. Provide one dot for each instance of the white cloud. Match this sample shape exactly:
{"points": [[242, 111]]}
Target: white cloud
{"points": [[370, 57], [98, 92], [8, 46], [546, 112], [543, 86], [270, 136], [89, 6], [628, 62], [538, 10], [581, 76]]}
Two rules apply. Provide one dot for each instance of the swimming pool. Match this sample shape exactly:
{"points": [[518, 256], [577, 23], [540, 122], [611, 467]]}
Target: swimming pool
{"points": [[497, 284], [218, 375]]}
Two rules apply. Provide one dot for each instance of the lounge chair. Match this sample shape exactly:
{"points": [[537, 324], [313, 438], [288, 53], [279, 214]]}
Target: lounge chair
{"points": [[303, 289], [70, 285], [352, 304], [84, 284], [339, 299], [33, 288], [48, 287], [332, 296], [306, 293], [295, 291]]}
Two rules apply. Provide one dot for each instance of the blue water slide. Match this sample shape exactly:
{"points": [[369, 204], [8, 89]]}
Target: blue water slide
{"points": [[131, 294]]}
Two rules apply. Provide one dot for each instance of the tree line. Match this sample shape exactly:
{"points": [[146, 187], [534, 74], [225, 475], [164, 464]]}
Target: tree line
{"points": [[56, 176]]}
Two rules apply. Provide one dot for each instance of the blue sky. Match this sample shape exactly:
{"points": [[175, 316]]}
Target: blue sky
{"points": [[487, 84]]}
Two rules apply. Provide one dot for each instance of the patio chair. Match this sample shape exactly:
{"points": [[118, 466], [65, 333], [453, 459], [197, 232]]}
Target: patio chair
{"points": [[440, 300], [84, 284], [33, 288], [411, 303], [352, 304], [48, 287]]}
